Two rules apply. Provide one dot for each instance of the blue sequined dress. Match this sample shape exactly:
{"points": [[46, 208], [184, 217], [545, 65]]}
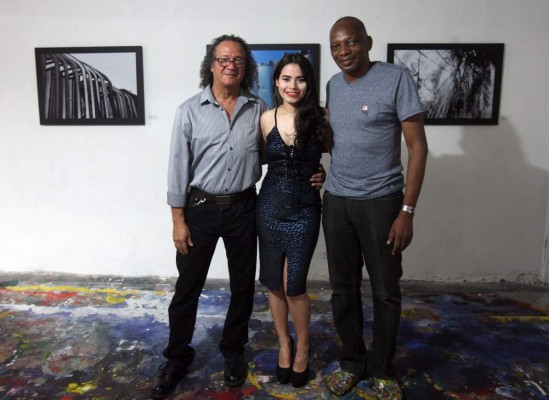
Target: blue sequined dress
{"points": [[288, 213]]}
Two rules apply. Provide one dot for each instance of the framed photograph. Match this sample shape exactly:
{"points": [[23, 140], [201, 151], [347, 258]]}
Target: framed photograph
{"points": [[90, 85], [459, 84]]}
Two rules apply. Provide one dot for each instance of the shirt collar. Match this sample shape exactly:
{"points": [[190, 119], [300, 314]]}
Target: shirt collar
{"points": [[207, 96]]}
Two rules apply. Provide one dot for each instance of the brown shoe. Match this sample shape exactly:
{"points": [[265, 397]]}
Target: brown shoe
{"points": [[341, 382]]}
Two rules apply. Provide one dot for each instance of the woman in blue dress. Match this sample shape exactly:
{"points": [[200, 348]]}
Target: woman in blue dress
{"points": [[295, 134]]}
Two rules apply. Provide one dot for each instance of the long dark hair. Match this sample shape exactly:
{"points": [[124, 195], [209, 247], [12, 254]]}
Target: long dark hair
{"points": [[250, 68], [309, 119]]}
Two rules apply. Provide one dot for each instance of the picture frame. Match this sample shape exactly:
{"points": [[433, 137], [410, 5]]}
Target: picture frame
{"points": [[458, 84], [268, 55], [90, 85]]}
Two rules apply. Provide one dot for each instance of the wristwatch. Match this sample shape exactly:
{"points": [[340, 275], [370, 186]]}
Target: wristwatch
{"points": [[409, 209]]}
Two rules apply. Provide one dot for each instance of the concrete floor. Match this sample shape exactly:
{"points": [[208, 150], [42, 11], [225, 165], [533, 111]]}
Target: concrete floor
{"points": [[84, 337]]}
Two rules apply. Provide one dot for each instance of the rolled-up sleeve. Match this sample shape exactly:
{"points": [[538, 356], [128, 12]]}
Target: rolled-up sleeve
{"points": [[179, 160]]}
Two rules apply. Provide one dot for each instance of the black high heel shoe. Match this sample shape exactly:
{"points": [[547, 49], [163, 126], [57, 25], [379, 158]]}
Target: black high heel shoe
{"points": [[283, 375], [300, 379]]}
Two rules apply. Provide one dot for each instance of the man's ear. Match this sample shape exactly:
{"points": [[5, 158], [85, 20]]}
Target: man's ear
{"points": [[370, 42]]}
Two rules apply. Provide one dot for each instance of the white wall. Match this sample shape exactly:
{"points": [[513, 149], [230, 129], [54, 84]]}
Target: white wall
{"points": [[92, 199]]}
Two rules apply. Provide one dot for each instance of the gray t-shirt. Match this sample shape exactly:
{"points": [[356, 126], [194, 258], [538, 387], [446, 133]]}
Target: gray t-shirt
{"points": [[365, 116]]}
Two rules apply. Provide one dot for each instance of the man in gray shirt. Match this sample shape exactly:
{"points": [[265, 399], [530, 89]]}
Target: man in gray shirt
{"points": [[367, 218], [214, 165]]}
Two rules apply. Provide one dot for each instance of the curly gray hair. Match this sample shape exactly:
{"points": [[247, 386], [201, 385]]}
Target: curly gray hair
{"points": [[250, 69]]}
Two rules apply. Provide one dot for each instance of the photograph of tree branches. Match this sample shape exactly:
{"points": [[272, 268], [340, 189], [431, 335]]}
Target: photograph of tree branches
{"points": [[90, 85], [459, 84]]}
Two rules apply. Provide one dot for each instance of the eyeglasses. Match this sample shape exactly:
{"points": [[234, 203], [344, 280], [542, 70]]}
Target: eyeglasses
{"points": [[225, 62]]}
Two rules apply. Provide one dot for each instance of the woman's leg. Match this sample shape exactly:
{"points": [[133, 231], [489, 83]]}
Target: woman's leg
{"points": [[300, 310], [279, 312]]}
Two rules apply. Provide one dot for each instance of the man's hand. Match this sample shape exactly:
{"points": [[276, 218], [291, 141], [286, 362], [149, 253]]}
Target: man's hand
{"points": [[181, 233], [401, 232], [182, 238], [317, 180]]}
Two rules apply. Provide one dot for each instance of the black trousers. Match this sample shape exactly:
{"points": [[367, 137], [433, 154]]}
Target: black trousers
{"points": [[235, 224], [356, 231]]}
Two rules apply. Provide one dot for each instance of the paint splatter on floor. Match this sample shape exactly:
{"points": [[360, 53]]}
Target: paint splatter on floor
{"points": [[79, 342]]}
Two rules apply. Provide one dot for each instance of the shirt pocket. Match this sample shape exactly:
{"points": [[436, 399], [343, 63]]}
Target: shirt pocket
{"points": [[378, 113], [249, 137]]}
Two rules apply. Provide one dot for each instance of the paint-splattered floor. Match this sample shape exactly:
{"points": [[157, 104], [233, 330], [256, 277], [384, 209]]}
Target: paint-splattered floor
{"points": [[99, 338]]}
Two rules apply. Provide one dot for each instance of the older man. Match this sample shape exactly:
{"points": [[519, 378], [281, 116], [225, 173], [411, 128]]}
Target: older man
{"points": [[368, 206], [214, 165]]}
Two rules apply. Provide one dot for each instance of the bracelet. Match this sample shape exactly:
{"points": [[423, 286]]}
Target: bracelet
{"points": [[409, 209]]}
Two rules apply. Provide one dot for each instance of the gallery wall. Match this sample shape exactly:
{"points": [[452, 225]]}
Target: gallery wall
{"points": [[92, 199]]}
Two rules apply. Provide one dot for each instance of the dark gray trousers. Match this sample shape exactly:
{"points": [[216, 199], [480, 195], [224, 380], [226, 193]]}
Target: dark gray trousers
{"points": [[356, 232]]}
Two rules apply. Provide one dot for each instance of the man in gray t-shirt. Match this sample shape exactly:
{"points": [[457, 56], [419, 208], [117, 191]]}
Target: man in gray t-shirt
{"points": [[368, 205]]}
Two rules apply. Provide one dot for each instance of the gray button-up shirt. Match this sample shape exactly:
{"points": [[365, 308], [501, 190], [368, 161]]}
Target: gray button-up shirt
{"points": [[212, 153]]}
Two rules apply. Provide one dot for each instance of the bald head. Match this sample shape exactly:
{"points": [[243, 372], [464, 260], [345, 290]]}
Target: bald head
{"points": [[353, 22]]}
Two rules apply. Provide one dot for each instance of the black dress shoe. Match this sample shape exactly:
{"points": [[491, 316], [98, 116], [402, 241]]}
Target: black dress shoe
{"points": [[235, 371], [283, 374], [169, 375]]}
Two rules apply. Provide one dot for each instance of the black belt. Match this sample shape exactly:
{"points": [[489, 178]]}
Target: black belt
{"points": [[199, 197]]}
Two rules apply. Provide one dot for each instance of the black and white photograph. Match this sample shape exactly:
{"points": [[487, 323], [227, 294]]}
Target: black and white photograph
{"points": [[90, 85], [459, 84]]}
